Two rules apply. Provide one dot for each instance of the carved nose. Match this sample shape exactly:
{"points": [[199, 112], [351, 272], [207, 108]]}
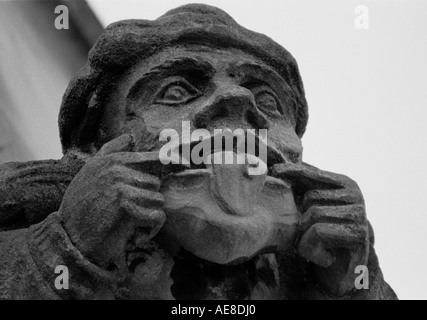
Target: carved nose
{"points": [[234, 106]]}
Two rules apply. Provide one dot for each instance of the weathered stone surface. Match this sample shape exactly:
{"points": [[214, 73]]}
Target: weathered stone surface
{"points": [[130, 227], [30, 191], [229, 216]]}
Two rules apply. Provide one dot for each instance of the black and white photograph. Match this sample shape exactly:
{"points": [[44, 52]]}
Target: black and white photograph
{"points": [[219, 150]]}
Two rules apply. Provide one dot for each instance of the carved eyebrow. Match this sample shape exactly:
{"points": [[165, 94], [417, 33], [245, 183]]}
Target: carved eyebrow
{"points": [[172, 67], [253, 70], [180, 64]]}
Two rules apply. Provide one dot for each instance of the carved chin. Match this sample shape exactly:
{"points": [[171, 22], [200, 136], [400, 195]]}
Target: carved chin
{"points": [[223, 215]]}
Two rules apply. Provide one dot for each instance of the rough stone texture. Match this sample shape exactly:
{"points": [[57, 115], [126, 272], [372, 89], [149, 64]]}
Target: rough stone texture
{"points": [[229, 216], [29, 191], [129, 227]]}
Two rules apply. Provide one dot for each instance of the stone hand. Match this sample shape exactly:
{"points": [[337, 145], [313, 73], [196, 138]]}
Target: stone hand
{"points": [[112, 201], [334, 230]]}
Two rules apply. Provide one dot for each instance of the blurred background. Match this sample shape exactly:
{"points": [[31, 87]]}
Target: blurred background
{"points": [[366, 90]]}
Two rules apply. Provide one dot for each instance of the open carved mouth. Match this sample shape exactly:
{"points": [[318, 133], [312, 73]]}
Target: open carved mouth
{"points": [[186, 152]]}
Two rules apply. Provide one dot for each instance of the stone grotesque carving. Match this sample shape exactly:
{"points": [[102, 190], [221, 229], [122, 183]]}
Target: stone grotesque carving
{"points": [[130, 227]]}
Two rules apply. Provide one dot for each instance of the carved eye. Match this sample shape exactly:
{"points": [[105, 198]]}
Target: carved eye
{"points": [[267, 102], [176, 91]]}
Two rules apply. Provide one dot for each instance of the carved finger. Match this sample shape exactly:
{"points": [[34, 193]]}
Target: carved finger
{"points": [[348, 214], [333, 197], [122, 143], [315, 251], [141, 197], [305, 177], [319, 241], [148, 162], [136, 178]]}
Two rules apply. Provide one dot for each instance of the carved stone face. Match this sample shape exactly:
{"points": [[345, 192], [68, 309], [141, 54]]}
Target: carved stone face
{"points": [[212, 88], [217, 213]]}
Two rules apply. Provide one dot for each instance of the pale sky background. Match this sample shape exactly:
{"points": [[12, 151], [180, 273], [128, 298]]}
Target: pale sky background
{"points": [[367, 94]]}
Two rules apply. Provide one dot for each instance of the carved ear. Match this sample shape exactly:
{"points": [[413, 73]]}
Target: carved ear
{"points": [[30, 191], [86, 132], [81, 110]]}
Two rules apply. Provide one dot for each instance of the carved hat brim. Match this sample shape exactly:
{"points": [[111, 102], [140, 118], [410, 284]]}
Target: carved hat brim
{"points": [[124, 43]]}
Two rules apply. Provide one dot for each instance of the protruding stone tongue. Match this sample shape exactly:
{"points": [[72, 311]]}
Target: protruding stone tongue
{"points": [[236, 190]]}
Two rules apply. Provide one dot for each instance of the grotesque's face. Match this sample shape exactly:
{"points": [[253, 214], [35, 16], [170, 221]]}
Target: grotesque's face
{"points": [[211, 88], [228, 216], [218, 213]]}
